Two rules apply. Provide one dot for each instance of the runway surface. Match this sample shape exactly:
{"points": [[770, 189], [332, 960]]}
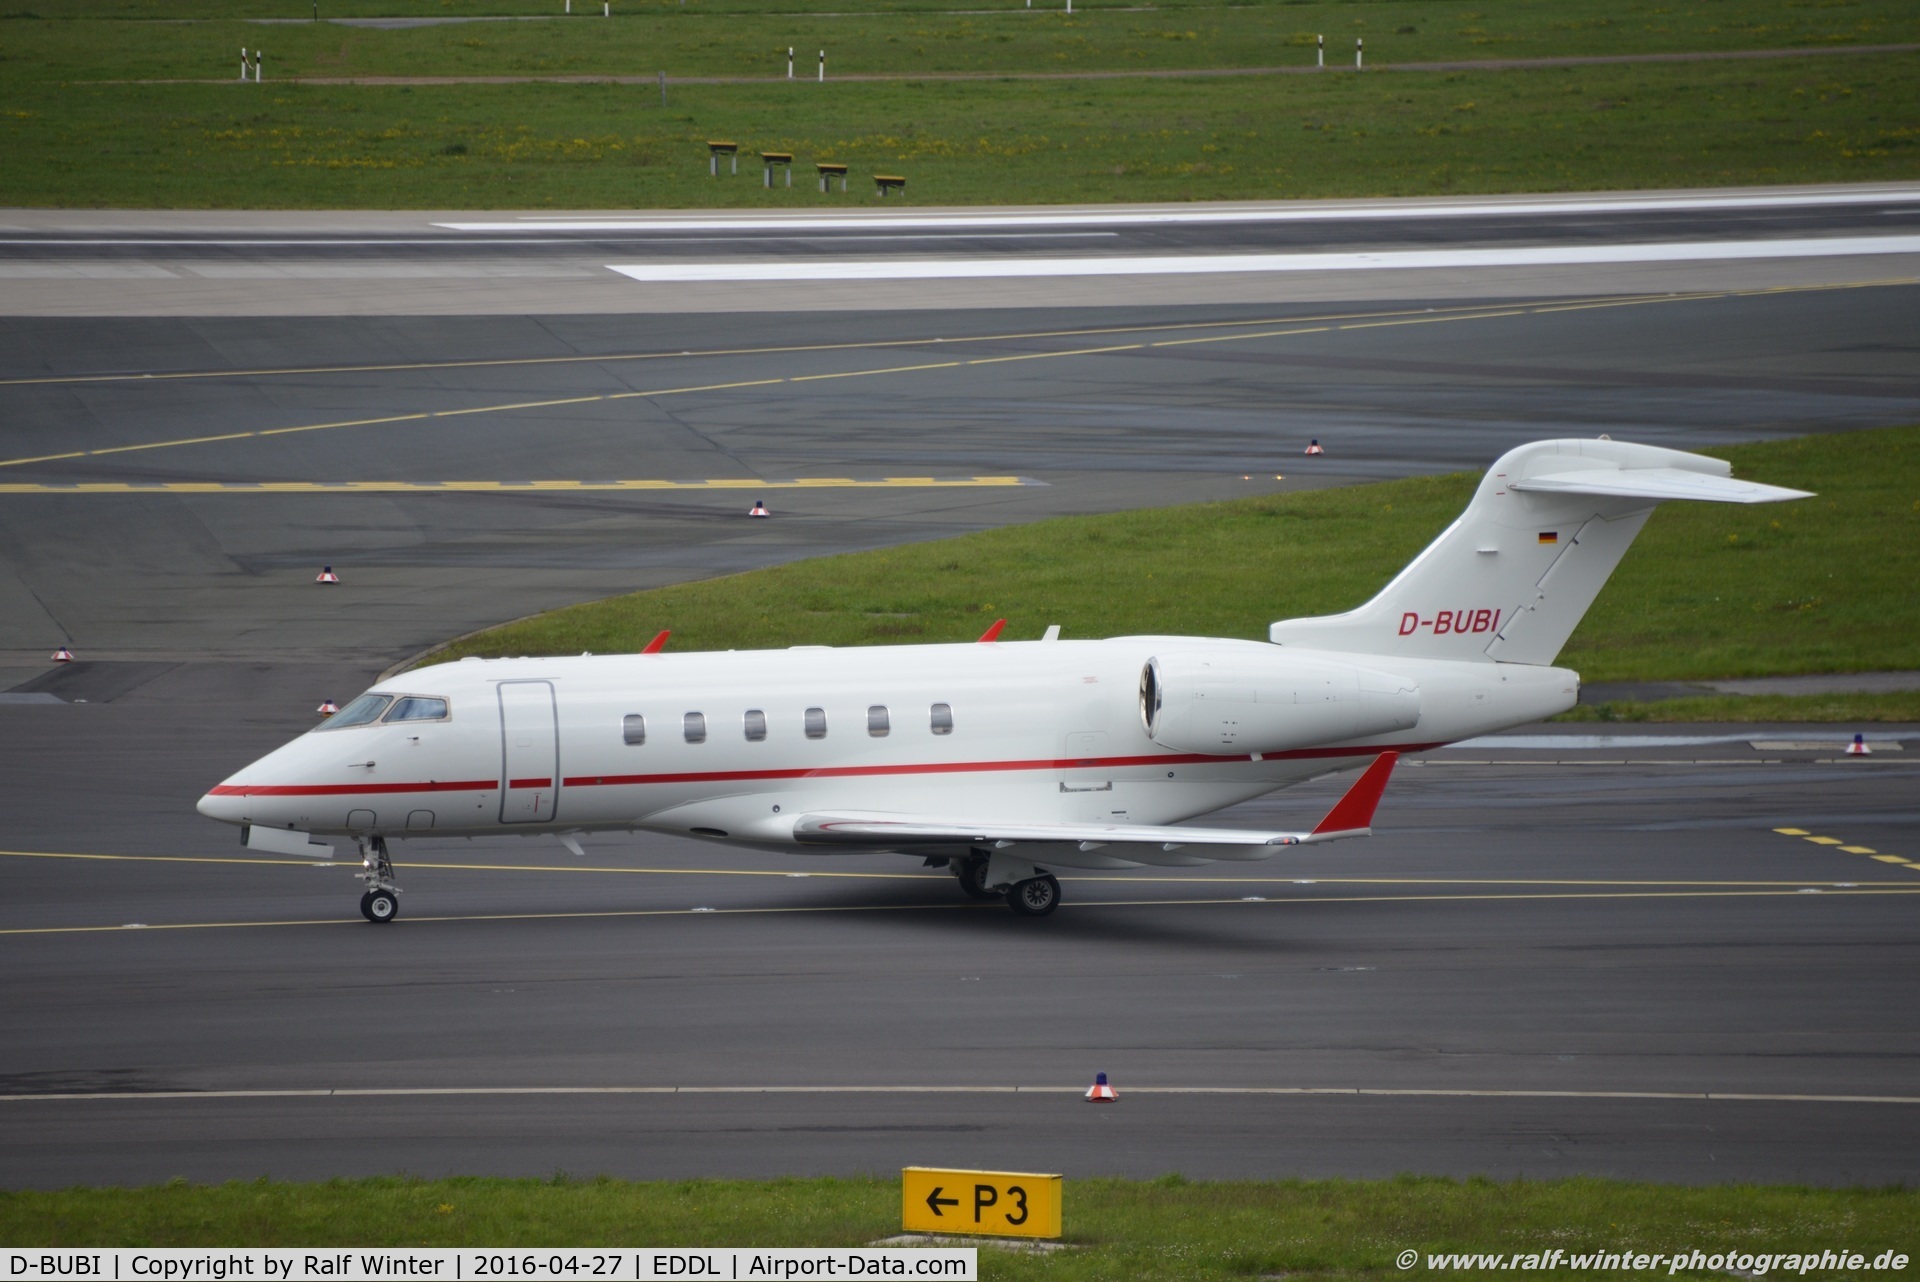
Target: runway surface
{"points": [[1552, 960]]}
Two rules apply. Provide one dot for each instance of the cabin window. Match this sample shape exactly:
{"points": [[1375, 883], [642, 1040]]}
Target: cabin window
{"points": [[418, 707], [877, 721], [756, 723], [816, 723], [694, 726], [633, 728], [942, 718], [367, 707]]}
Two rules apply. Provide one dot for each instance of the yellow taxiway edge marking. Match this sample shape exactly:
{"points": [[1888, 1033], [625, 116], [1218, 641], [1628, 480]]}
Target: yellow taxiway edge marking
{"points": [[1791, 832], [1823, 841], [793, 348], [1081, 351], [891, 369], [1859, 850], [1433, 320], [506, 487], [1890, 859], [1224, 338], [816, 909], [973, 1088]]}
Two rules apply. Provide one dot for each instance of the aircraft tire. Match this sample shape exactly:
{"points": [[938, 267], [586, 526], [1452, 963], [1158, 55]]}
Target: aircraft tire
{"points": [[379, 906], [1034, 897], [969, 872]]}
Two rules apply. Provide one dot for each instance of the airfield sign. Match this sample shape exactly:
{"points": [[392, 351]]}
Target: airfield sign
{"points": [[1000, 1203]]}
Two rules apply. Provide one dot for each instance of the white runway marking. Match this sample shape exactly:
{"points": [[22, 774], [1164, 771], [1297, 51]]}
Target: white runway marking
{"points": [[416, 1092], [320, 242], [1242, 264], [1317, 212]]}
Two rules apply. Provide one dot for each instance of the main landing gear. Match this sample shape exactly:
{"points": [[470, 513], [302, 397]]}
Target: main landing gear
{"points": [[1034, 897], [381, 903]]}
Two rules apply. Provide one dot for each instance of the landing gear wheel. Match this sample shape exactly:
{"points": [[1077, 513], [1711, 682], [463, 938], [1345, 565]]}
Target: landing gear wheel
{"points": [[1034, 897], [971, 874], [381, 903]]}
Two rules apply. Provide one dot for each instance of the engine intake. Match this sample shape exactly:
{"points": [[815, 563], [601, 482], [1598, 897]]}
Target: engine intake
{"points": [[1226, 703]]}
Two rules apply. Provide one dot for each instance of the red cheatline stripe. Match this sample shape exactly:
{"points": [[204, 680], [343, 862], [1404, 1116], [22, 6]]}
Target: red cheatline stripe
{"points": [[806, 772], [349, 789]]}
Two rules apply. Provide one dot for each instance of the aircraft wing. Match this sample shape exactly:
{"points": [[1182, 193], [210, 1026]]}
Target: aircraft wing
{"points": [[1351, 816]]}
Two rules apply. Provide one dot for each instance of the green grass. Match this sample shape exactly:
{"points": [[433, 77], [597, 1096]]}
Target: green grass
{"points": [[1708, 591], [71, 139], [1170, 1228], [695, 40]]}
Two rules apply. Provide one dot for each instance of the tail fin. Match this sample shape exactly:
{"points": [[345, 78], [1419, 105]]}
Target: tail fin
{"points": [[1511, 578]]}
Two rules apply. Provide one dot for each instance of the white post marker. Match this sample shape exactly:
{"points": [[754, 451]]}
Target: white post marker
{"points": [[789, 62], [243, 64], [823, 66], [569, 6], [259, 64], [1320, 55], [1358, 45]]}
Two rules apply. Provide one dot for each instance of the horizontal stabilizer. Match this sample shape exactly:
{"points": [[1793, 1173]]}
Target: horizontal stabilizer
{"points": [[1658, 484]]}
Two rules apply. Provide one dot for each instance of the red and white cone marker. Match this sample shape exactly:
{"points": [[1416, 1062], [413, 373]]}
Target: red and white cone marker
{"points": [[1858, 748], [1313, 448], [63, 655], [326, 575], [759, 509], [1100, 1092], [327, 708]]}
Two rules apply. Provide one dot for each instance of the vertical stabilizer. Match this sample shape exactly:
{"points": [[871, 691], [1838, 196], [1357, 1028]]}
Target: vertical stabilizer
{"points": [[1512, 577]]}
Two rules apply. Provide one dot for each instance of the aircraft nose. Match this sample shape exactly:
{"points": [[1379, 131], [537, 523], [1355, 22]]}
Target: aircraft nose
{"points": [[224, 808]]}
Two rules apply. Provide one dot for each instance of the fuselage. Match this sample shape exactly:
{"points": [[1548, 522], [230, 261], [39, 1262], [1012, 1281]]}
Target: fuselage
{"points": [[732, 746]]}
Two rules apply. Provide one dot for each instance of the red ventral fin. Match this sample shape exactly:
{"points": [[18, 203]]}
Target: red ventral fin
{"points": [[993, 633], [658, 644], [1354, 812]]}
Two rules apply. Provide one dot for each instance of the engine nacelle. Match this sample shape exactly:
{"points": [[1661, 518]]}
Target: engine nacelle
{"points": [[1231, 702]]}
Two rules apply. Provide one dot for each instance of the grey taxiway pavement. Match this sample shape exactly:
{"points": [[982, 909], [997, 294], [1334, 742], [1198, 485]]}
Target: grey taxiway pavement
{"points": [[1543, 965]]}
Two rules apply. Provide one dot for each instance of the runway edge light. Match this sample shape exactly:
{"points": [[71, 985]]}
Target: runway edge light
{"points": [[1100, 1092], [983, 1203], [1858, 748], [326, 575], [63, 655]]}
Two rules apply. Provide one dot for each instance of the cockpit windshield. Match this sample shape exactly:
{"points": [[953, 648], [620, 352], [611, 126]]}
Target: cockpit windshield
{"points": [[366, 708], [418, 707]]}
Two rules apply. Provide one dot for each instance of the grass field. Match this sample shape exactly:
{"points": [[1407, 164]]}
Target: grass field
{"points": [[1164, 1229], [71, 138], [1708, 591]]}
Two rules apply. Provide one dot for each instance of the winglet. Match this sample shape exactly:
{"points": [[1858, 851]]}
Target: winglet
{"points": [[658, 644], [1352, 815], [993, 633]]}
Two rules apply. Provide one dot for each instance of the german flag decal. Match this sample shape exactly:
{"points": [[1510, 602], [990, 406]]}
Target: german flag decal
{"points": [[1549, 536]]}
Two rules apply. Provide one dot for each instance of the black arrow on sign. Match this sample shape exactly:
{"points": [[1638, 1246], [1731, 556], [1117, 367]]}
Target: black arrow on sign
{"points": [[935, 1201]]}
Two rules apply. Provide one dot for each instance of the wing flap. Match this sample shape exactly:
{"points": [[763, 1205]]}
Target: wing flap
{"points": [[1351, 816]]}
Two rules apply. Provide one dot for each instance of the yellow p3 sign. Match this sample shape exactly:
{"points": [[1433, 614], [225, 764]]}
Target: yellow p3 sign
{"points": [[1001, 1203]]}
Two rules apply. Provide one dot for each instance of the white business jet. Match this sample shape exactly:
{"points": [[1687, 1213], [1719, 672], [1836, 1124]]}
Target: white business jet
{"points": [[998, 760]]}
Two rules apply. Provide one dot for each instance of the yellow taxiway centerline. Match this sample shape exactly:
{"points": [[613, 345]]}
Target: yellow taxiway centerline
{"points": [[1143, 879], [511, 487]]}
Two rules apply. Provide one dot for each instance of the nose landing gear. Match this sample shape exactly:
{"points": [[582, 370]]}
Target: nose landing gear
{"points": [[381, 902]]}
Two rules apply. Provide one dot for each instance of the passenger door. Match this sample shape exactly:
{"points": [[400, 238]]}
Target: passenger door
{"points": [[529, 752]]}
